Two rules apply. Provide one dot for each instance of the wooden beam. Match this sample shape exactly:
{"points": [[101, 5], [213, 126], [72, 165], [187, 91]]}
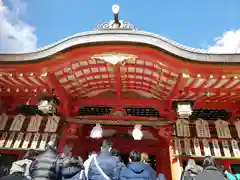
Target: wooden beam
{"points": [[122, 129], [141, 103], [179, 86], [118, 121]]}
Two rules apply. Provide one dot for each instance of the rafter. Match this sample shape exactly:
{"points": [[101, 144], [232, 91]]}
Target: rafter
{"points": [[60, 92], [179, 86], [118, 80]]}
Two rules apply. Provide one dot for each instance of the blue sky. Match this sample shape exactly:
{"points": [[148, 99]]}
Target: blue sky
{"points": [[194, 23]]}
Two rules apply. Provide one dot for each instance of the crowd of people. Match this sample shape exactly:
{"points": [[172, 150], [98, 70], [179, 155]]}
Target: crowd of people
{"points": [[208, 171], [105, 165]]}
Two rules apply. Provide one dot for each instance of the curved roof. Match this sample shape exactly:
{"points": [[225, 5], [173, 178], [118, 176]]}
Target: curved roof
{"points": [[79, 67], [121, 35]]}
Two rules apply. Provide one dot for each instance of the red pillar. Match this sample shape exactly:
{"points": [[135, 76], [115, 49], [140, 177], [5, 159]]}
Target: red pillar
{"points": [[62, 140], [227, 165]]}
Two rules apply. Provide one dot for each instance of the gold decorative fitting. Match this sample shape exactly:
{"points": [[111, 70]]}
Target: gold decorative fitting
{"points": [[44, 74], [185, 75]]}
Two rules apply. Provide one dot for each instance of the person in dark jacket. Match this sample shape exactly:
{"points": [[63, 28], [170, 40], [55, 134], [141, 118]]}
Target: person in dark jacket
{"points": [[210, 170], [191, 170], [135, 169], [145, 160], [116, 153], [104, 166], [44, 167], [71, 168], [3, 171]]}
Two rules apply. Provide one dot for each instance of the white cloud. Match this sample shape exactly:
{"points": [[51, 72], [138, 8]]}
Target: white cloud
{"points": [[228, 43], [15, 34]]}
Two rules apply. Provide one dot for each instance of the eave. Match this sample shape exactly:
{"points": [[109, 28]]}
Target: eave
{"points": [[121, 36]]}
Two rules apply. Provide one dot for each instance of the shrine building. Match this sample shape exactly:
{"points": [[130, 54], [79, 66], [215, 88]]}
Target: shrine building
{"points": [[140, 90]]}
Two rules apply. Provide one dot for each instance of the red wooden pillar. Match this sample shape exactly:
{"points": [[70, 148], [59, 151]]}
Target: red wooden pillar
{"points": [[62, 140], [164, 164], [227, 165], [159, 163], [68, 135], [79, 144]]}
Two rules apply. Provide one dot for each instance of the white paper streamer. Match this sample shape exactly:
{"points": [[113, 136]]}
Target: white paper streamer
{"points": [[3, 138], [202, 128], [206, 147], [237, 125], [52, 124], [18, 140], [178, 147], [34, 124], [187, 146], [17, 123], [26, 140], [226, 149], [43, 141], [3, 121], [10, 140], [197, 148], [183, 129], [35, 141], [53, 139], [235, 148], [216, 148], [222, 128]]}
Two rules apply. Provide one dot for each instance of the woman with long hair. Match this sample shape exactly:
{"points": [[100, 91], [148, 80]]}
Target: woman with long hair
{"points": [[145, 160]]}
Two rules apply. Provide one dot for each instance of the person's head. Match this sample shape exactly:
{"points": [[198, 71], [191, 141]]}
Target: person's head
{"points": [[106, 146], [134, 156], [144, 157], [30, 154], [51, 145], [208, 161], [115, 152], [67, 150], [191, 162]]}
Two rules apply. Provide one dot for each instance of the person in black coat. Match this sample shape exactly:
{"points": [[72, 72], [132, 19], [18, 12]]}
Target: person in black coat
{"points": [[72, 168], [210, 170], [45, 166]]}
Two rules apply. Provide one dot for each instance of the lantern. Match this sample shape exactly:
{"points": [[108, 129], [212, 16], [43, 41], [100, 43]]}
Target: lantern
{"points": [[137, 132], [46, 106], [96, 132], [184, 110]]}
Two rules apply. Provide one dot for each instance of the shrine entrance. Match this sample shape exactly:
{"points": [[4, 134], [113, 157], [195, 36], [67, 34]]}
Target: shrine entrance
{"points": [[155, 146]]}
